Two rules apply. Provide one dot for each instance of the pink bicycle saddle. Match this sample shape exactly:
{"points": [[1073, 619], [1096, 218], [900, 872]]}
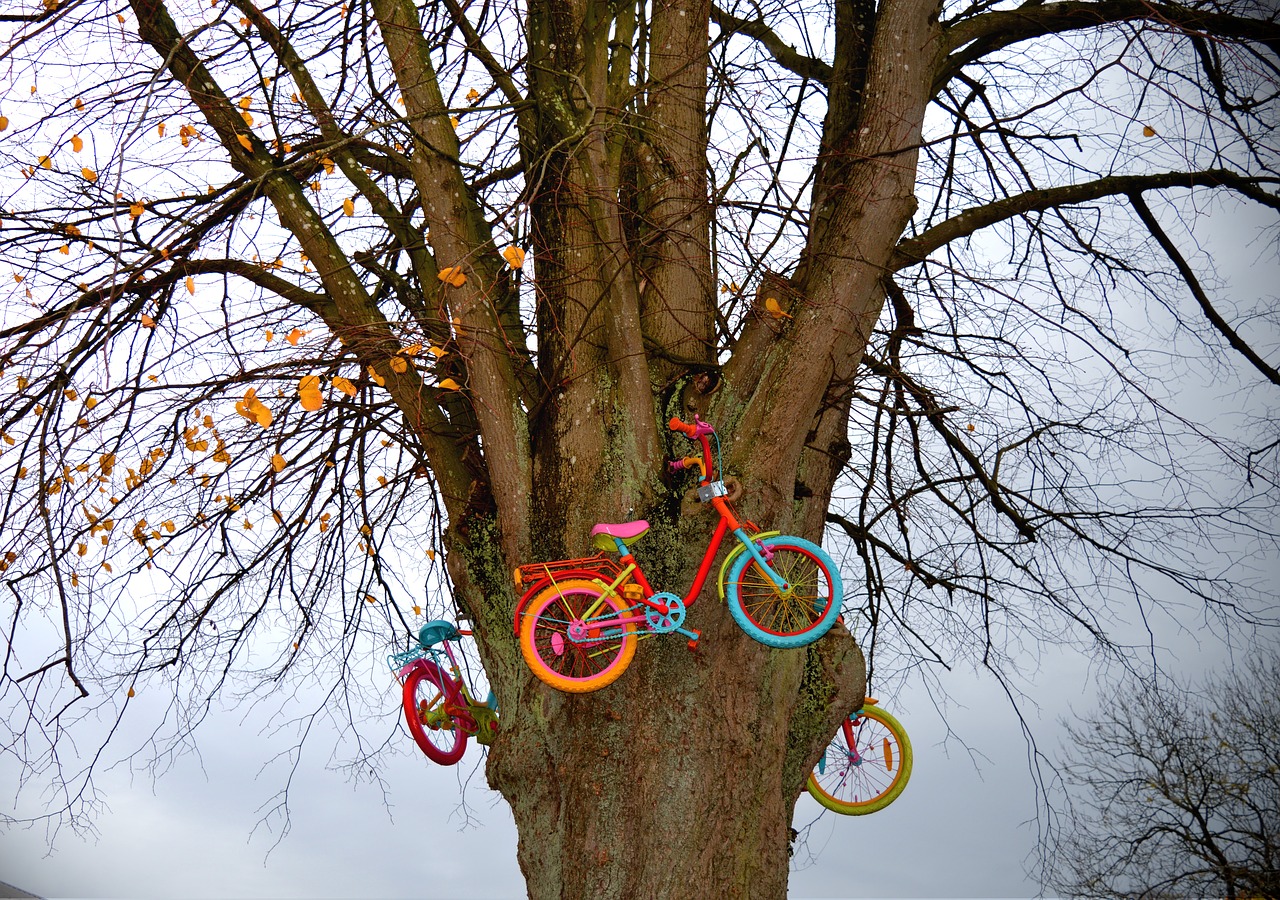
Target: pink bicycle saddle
{"points": [[628, 532]]}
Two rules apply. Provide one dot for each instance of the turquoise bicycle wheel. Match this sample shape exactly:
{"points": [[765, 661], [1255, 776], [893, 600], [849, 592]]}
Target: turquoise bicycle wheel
{"points": [[792, 617]]}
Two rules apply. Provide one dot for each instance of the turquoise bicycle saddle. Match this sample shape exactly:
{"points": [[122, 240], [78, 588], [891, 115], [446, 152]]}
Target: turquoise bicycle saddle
{"points": [[436, 632]]}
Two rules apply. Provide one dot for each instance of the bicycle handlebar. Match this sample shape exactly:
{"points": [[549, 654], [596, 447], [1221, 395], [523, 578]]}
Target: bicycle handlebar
{"points": [[695, 429]]}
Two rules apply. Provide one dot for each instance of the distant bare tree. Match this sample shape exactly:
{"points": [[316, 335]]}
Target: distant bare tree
{"points": [[1177, 790]]}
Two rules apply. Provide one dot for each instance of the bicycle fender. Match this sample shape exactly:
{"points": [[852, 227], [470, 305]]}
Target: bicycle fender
{"points": [[546, 582], [404, 673]]}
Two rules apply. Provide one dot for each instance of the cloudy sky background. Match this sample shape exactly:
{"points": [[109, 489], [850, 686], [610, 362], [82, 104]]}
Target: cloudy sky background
{"points": [[965, 826]]}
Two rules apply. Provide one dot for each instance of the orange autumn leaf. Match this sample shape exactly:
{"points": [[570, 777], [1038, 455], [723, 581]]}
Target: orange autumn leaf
{"points": [[431, 555], [191, 285], [399, 364], [4, 122], [246, 102], [254, 409], [450, 385], [349, 206], [514, 256], [344, 385], [136, 209], [412, 349], [437, 352], [46, 162], [417, 610], [1148, 131], [77, 143], [89, 174], [293, 336], [473, 95], [377, 379], [278, 462], [147, 321], [775, 308], [309, 392], [453, 275], [328, 165], [245, 142], [248, 118], [160, 129]]}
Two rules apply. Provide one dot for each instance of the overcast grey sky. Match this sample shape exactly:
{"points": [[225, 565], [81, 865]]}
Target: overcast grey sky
{"points": [[961, 829]]}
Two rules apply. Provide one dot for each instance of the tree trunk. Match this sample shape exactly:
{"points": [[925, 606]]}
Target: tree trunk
{"points": [[680, 778]]}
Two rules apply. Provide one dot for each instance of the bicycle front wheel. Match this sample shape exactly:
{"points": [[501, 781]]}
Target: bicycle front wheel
{"points": [[428, 694], [792, 617], [575, 666], [868, 774]]}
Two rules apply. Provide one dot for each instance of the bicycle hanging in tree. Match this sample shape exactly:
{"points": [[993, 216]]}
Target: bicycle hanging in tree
{"points": [[866, 765], [438, 703], [579, 619]]}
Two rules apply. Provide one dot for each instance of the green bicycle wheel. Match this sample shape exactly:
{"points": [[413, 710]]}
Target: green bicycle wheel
{"points": [[866, 765]]}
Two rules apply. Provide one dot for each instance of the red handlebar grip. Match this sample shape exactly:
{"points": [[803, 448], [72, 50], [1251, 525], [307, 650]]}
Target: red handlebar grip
{"points": [[687, 428]]}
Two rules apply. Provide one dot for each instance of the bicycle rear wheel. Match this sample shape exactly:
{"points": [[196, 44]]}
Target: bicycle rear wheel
{"points": [[582, 666], [794, 617], [428, 694], [867, 775]]}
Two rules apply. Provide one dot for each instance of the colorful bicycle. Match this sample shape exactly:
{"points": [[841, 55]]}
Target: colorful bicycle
{"points": [[438, 704], [866, 765], [579, 619]]}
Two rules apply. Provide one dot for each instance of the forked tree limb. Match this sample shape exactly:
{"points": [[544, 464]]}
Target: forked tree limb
{"points": [[968, 40], [915, 250], [461, 240]]}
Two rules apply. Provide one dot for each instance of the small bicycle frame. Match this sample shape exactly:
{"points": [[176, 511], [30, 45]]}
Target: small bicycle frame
{"points": [[663, 612], [593, 608], [439, 705]]}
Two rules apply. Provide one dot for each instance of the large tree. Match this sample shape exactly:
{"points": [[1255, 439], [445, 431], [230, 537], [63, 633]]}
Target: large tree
{"points": [[914, 262]]}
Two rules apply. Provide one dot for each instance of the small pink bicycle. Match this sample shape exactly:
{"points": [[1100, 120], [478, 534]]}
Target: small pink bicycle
{"points": [[438, 703], [579, 619]]}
